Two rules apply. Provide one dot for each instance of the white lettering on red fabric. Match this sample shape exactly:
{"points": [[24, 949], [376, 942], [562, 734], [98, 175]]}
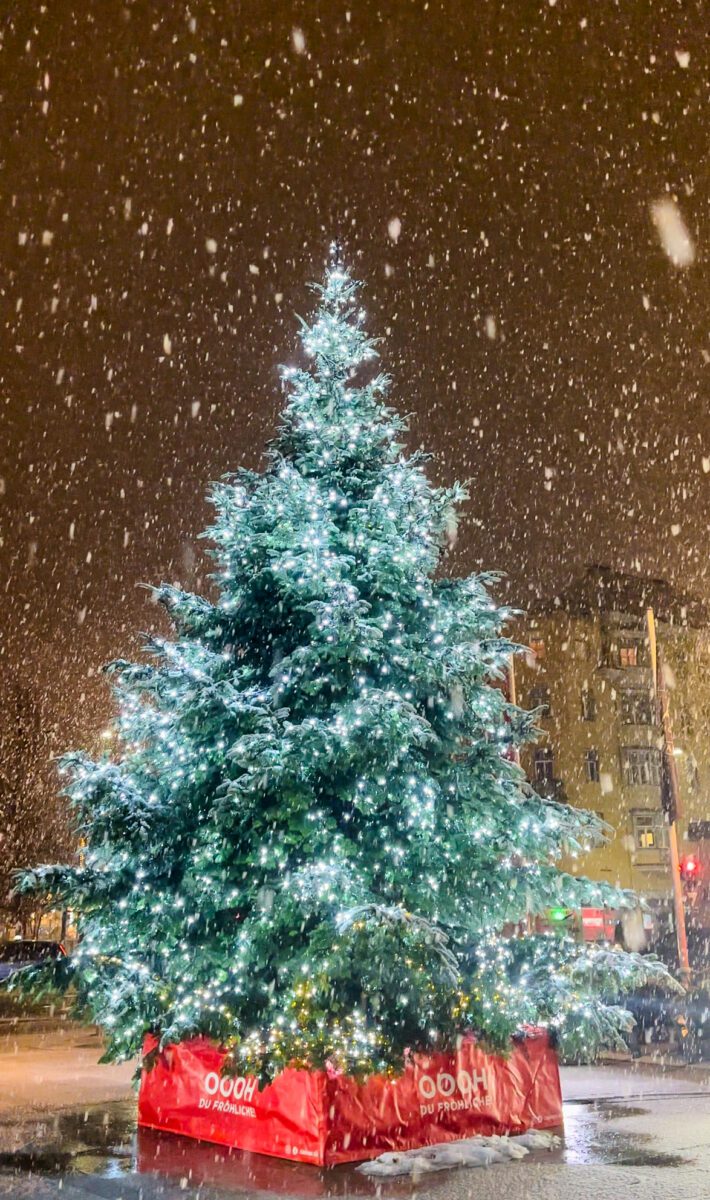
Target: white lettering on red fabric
{"points": [[467, 1089], [223, 1090]]}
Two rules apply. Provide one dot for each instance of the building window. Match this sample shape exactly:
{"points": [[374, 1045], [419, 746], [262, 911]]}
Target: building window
{"points": [[537, 645], [589, 705], [640, 766], [628, 654], [685, 718], [544, 761], [692, 774], [650, 830], [591, 766], [540, 698], [698, 831], [636, 707]]}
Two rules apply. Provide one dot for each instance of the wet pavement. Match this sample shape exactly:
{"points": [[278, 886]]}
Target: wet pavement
{"points": [[628, 1131]]}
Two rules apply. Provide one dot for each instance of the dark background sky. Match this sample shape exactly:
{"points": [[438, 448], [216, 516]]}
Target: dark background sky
{"points": [[519, 144]]}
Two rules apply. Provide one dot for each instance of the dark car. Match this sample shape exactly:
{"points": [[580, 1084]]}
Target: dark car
{"points": [[698, 938], [26, 952], [680, 1022], [683, 1021]]}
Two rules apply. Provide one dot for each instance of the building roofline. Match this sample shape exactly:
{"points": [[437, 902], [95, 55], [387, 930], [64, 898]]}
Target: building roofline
{"points": [[601, 590]]}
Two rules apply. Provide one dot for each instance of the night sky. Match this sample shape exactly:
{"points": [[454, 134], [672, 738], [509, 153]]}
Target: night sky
{"points": [[171, 177]]}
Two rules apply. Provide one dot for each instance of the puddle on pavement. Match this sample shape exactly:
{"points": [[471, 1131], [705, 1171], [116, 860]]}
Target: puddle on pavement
{"points": [[103, 1141], [612, 1112], [94, 1139], [589, 1139], [650, 1158]]}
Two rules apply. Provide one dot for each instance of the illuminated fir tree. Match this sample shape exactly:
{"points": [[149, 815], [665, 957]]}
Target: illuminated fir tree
{"points": [[315, 843]]}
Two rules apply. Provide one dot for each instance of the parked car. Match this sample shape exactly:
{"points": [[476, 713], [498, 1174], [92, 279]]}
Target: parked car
{"points": [[26, 952], [681, 1022], [695, 1046], [698, 937]]}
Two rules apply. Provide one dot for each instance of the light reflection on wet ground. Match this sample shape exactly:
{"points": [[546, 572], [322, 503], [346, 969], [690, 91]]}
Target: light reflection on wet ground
{"points": [[590, 1138], [102, 1141]]}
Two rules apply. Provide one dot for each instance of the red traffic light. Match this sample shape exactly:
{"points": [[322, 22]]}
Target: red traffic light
{"points": [[689, 868]]}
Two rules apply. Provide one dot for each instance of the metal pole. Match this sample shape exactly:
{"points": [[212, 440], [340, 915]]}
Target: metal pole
{"points": [[670, 780], [513, 698]]}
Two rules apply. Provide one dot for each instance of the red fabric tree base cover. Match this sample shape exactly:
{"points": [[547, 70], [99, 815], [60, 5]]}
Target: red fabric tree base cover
{"points": [[323, 1117]]}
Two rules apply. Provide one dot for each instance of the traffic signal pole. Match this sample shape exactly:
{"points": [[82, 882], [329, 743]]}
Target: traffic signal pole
{"points": [[513, 699], [670, 797]]}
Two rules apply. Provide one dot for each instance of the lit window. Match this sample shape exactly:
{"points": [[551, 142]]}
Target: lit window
{"points": [[628, 654], [650, 830], [640, 766], [537, 645], [591, 766]]}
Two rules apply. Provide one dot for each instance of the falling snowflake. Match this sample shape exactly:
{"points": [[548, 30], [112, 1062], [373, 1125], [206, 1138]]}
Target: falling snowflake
{"points": [[673, 232]]}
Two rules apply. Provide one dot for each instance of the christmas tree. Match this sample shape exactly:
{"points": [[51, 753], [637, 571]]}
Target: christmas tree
{"points": [[315, 844]]}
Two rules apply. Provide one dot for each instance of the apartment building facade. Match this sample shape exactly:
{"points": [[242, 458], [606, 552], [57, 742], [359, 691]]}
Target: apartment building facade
{"points": [[588, 673]]}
